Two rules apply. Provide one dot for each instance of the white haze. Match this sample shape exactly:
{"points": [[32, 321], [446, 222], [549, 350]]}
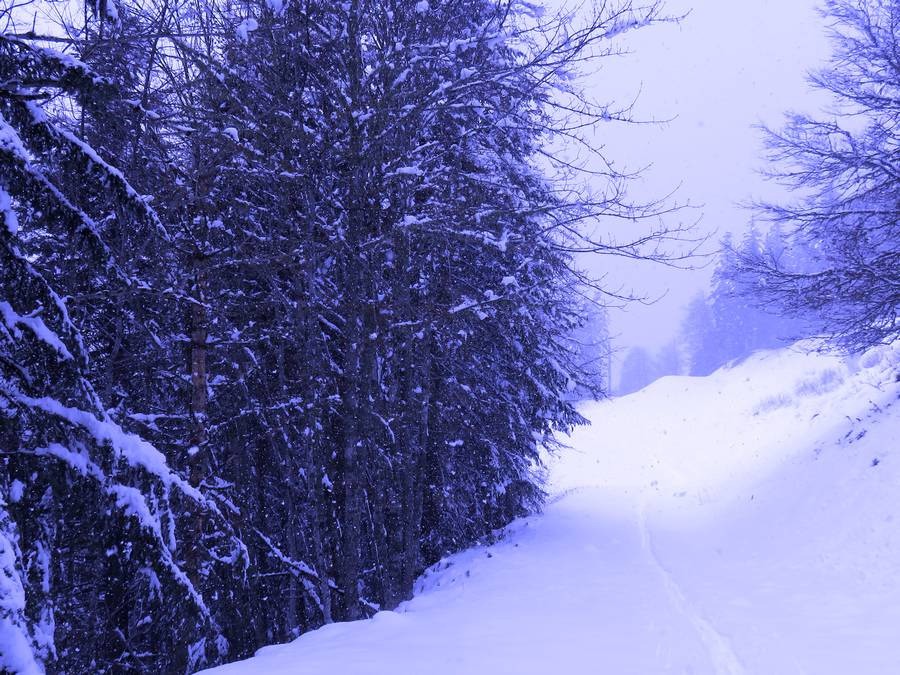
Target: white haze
{"points": [[726, 68]]}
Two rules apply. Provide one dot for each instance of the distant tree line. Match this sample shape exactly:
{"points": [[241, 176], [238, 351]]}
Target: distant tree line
{"points": [[735, 318], [286, 309], [829, 265]]}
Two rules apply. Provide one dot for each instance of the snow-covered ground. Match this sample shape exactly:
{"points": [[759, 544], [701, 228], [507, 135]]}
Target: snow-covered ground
{"points": [[746, 522]]}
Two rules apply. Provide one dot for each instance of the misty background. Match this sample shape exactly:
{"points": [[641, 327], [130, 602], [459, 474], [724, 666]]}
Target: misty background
{"points": [[718, 74]]}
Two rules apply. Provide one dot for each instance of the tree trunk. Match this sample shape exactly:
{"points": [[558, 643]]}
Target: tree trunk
{"points": [[415, 493], [198, 409], [349, 565]]}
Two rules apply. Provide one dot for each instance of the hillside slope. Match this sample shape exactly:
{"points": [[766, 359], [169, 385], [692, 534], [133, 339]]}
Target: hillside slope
{"points": [[746, 522]]}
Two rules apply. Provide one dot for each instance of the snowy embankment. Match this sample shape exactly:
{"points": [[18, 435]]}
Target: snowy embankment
{"points": [[746, 522]]}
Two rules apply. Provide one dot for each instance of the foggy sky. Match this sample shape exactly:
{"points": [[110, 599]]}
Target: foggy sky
{"points": [[728, 66]]}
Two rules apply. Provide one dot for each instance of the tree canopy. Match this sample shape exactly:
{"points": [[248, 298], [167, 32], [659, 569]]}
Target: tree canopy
{"points": [[843, 170]]}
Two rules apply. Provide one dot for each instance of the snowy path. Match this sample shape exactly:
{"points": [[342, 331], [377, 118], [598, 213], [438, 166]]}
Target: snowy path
{"points": [[717, 645], [574, 590], [733, 525]]}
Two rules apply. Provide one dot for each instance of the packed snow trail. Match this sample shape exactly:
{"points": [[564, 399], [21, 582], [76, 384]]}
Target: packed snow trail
{"points": [[566, 592], [738, 524], [721, 654]]}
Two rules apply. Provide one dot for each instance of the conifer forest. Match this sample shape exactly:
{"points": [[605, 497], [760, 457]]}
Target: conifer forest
{"points": [[287, 298], [308, 307]]}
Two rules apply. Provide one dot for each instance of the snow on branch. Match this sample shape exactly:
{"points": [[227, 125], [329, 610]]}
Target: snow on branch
{"points": [[10, 221], [16, 653], [111, 175], [134, 450], [36, 325], [307, 575]]}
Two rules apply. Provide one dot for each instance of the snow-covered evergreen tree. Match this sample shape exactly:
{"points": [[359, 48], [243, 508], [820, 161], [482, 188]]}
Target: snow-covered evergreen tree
{"points": [[84, 503], [286, 310]]}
